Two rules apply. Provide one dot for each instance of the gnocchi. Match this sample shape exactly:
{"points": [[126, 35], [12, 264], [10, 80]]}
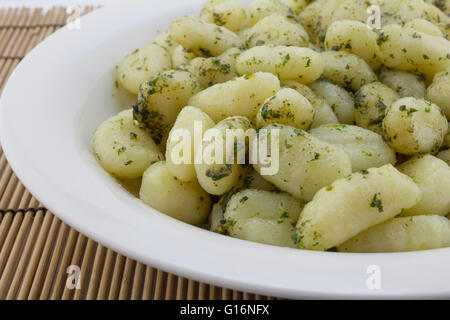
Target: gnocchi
{"points": [[371, 102], [351, 205], [140, 65], [219, 177], [181, 165], [259, 9], [240, 96], [286, 107], [210, 71], [338, 98], [323, 113], [277, 30], [203, 38], [413, 126], [432, 175], [181, 56], [356, 38], [402, 234], [439, 91], [409, 50], [161, 99], [262, 216], [404, 83], [346, 69], [225, 13], [288, 63], [185, 201], [292, 123], [365, 148], [122, 148]]}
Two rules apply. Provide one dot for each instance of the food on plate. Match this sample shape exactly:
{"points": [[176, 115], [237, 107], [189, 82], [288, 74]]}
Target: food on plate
{"points": [[293, 123]]}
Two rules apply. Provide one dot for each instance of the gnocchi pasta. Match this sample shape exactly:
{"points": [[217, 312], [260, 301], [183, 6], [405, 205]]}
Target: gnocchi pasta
{"points": [[277, 29], [288, 63], [292, 123], [141, 64], [225, 13], [347, 69], [248, 216], [432, 175], [365, 148], [123, 149], [402, 234], [240, 96], [353, 204], [286, 107], [412, 126]]}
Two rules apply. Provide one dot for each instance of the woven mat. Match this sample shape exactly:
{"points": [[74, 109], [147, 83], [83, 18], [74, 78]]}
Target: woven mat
{"points": [[36, 247]]}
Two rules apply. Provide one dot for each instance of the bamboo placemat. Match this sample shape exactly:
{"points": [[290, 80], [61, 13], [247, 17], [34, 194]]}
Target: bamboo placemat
{"points": [[36, 247]]}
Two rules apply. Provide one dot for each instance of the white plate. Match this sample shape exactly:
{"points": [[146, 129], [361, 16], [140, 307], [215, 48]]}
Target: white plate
{"points": [[50, 108]]}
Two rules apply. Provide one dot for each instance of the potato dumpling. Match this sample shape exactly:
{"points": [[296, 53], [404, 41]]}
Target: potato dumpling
{"points": [[185, 201], [316, 18], [122, 148], [353, 204], [140, 65], [409, 50], [262, 216], [210, 71], [355, 10], [252, 180], [203, 38], [188, 121], [306, 164], [402, 234], [288, 63], [371, 102], [424, 26], [240, 96], [259, 9], [181, 56], [354, 37], [346, 70], [432, 175], [439, 91], [223, 172], [338, 98], [166, 41], [286, 107], [409, 10], [279, 30], [161, 99], [225, 13], [323, 113], [404, 83], [413, 126], [365, 148], [406, 10]]}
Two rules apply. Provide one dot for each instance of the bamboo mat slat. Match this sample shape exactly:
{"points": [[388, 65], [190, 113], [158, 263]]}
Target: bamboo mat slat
{"points": [[36, 248]]}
